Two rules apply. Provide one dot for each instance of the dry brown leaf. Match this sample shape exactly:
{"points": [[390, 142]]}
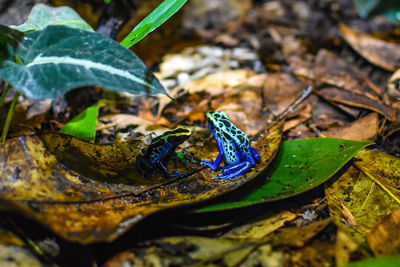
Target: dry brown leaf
{"points": [[280, 90], [381, 53], [345, 246], [262, 228], [317, 254], [122, 121], [364, 129], [298, 236], [393, 85], [333, 70], [384, 238], [357, 100], [186, 251]]}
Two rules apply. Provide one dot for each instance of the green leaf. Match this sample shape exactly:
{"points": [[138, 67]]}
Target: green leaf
{"points": [[367, 8], [159, 15], [299, 166], [42, 15], [58, 59], [83, 126], [9, 40], [377, 262]]}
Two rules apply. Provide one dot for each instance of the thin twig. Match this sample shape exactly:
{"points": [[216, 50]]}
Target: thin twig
{"points": [[306, 93]]}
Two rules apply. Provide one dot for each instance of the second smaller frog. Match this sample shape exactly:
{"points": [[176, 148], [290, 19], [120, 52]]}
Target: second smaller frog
{"points": [[157, 155]]}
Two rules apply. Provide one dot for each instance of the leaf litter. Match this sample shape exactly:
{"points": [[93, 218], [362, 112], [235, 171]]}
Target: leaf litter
{"points": [[353, 96]]}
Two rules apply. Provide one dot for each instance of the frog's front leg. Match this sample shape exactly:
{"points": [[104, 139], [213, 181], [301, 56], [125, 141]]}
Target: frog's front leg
{"points": [[255, 154], [234, 170], [217, 161]]}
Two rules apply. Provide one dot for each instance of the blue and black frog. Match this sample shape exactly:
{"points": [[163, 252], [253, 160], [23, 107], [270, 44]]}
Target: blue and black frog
{"points": [[233, 145], [157, 155]]}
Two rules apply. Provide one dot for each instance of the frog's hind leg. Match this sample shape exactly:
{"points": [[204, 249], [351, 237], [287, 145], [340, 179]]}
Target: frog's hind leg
{"points": [[235, 170]]}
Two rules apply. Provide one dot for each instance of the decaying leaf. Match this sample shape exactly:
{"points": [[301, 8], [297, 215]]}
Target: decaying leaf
{"points": [[298, 236], [262, 228], [89, 193], [345, 246], [196, 251], [364, 195], [383, 169], [228, 250], [383, 54], [384, 238]]}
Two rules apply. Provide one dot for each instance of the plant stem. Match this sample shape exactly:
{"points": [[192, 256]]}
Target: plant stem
{"points": [[4, 94], [9, 117]]}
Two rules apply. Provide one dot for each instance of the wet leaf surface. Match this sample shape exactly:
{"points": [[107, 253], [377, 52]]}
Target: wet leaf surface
{"points": [[88, 193]]}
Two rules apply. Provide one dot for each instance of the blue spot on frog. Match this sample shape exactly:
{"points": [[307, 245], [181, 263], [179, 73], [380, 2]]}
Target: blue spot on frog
{"points": [[157, 155], [233, 145]]}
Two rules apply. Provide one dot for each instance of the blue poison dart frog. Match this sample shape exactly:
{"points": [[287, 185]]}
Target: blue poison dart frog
{"points": [[233, 145], [159, 152]]}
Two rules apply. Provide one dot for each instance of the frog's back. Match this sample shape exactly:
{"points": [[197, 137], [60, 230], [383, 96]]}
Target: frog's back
{"points": [[236, 144]]}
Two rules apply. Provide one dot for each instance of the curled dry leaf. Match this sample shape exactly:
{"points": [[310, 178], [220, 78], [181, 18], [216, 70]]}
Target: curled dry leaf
{"points": [[89, 193], [363, 129], [357, 100], [381, 53]]}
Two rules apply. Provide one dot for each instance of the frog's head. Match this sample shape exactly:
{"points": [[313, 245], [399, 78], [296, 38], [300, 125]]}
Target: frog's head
{"points": [[217, 120], [176, 136]]}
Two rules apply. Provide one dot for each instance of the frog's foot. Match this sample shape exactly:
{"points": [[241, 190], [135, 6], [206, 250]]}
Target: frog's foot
{"points": [[234, 170], [212, 166]]}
